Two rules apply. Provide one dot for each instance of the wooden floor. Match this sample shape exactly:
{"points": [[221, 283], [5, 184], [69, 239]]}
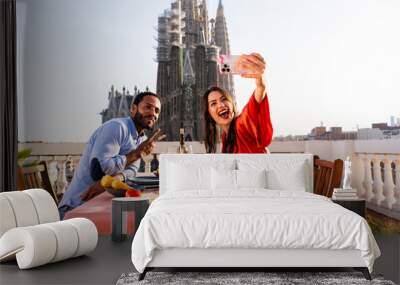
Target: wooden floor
{"points": [[110, 259]]}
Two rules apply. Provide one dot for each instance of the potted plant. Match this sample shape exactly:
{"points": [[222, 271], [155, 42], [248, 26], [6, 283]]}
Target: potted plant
{"points": [[22, 156]]}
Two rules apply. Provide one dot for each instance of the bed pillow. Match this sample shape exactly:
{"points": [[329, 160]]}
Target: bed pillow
{"points": [[281, 174], [251, 178], [292, 178], [183, 177], [223, 179], [224, 164]]}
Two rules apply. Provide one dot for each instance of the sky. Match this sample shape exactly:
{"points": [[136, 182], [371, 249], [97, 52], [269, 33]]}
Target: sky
{"points": [[335, 62]]}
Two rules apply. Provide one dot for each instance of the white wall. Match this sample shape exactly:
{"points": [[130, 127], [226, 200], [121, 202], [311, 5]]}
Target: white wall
{"points": [[290, 146], [378, 146], [331, 150]]}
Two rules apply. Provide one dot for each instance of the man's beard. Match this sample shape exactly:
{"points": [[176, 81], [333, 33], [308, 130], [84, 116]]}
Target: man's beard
{"points": [[139, 120]]}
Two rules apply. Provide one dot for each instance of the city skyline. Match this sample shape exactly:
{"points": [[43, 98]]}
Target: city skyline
{"points": [[379, 131], [331, 61]]}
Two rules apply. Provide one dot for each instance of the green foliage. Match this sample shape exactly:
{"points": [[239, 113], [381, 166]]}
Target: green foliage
{"points": [[379, 226], [376, 226], [22, 155]]}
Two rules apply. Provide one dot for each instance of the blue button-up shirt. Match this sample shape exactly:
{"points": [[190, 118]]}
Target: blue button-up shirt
{"points": [[110, 144]]}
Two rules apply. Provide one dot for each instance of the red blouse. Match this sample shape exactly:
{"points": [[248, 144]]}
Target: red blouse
{"points": [[253, 128]]}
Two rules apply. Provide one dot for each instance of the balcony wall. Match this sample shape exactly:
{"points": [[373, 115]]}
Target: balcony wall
{"points": [[375, 164], [331, 150]]}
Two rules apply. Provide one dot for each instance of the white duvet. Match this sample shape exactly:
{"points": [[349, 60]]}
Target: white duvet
{"points": [[251, 218]]}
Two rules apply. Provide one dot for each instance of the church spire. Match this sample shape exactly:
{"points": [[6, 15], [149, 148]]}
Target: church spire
{"points": [[189, 9], [220, 5], [112, 104], [204, 27], [222, 41], [221, 31], [123, 104]]}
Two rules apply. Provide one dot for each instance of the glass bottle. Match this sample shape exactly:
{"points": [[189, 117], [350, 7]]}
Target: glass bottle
{"points": [[182, 147]]}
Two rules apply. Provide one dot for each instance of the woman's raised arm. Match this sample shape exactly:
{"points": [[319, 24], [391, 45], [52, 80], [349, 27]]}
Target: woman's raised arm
{"points": [[254, 63]]}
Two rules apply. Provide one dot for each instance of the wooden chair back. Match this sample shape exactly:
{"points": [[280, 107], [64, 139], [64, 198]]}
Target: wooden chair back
{"points": [[327, 176], [36, 176]]}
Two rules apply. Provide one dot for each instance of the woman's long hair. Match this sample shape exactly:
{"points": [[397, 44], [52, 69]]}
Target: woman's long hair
{"points": [[210, 127]]}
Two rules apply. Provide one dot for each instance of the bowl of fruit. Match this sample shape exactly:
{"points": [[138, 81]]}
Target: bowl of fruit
{"points": [[118, 188]]}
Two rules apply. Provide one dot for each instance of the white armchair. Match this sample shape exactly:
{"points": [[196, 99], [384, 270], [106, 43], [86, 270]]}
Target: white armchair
{"points": [[31, 230]]}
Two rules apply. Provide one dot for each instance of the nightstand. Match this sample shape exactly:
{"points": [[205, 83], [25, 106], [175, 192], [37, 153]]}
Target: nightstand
{"points": [[119, 216], [357, 205]]}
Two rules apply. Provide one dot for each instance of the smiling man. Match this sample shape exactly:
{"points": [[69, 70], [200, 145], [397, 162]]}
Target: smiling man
{"points": [[115, 149]]}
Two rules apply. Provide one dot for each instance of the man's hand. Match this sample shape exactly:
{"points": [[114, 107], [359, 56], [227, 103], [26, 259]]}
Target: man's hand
{"points": [[145, 148], [92, 192]]}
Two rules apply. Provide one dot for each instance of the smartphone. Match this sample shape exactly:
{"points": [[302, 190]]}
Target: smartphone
{"points": [[228, 64]]}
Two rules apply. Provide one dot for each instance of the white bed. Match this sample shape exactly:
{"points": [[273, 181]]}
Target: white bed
{"points": [[231, 211]]}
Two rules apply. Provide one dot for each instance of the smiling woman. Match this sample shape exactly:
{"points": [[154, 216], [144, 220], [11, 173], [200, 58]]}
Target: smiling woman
{"points": [[248, 132]]}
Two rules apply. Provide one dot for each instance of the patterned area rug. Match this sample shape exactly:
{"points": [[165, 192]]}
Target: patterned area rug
{"points": [[230, 278]]}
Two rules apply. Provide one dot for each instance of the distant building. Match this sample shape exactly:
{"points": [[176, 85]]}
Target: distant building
{"points": [[350, 135], [388, 131], [187, 51], [118, 103], [291, 138], [370, 134], [393, 122], [378, 131], [334, 133], [318, 131], [380, 126]]}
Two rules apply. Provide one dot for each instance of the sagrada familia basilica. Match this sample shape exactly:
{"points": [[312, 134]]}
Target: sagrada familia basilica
{"points": [[188, 43]]}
